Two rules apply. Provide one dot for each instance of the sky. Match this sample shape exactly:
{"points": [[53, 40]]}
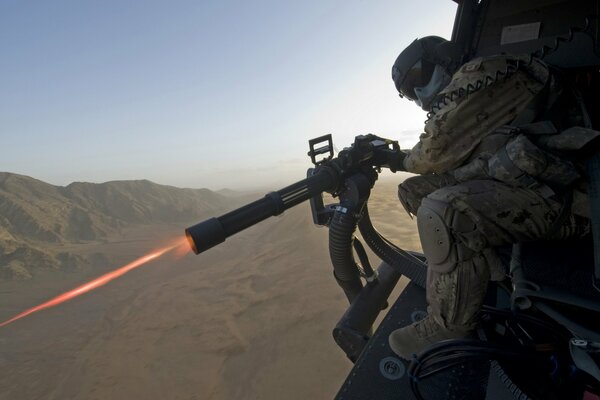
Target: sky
{"points": [[215, 94]]}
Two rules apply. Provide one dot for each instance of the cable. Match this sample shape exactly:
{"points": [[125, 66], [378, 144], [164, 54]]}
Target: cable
{"points": [[406, 263], [449, 354]]}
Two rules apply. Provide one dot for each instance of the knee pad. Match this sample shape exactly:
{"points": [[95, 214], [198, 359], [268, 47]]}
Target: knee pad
{"points": [[440, 227]]}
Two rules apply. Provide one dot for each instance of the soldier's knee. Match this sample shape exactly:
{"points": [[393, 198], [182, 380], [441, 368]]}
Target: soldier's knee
{"points": [[447, 235]]}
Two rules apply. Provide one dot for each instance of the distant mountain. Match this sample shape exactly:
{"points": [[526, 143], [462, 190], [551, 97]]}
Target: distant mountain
{"points": [[35, 215]]}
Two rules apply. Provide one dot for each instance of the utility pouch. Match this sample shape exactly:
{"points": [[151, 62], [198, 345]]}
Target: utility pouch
{"points": [[521, 163], [574, 139]]}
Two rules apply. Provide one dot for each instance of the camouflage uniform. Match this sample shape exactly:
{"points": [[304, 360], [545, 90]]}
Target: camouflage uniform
{"points": [[483, 185]]}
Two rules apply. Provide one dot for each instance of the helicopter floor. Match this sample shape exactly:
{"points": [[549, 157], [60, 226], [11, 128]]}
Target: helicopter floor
{"points": [[380, 374]]}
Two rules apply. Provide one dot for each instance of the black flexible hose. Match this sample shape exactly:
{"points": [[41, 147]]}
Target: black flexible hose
{"points": [[341, 236], [406, 263]]}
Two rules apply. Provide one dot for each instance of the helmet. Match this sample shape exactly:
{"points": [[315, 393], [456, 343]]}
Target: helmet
{"points": [[424, 68]]}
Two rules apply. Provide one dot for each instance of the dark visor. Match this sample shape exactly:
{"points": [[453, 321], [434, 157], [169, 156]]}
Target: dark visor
{"points": [[410, 70], [412, 79]]}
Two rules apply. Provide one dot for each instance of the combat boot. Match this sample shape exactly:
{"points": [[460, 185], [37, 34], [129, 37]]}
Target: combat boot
{"points": [[455, 299], [415, 338]]}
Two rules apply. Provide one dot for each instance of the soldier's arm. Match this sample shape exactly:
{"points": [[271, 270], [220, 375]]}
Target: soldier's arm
{"points": [[456, 130]]}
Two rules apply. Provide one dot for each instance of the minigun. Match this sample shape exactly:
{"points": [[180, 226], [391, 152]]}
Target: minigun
{"points": [[350, 176], [367, 154]]}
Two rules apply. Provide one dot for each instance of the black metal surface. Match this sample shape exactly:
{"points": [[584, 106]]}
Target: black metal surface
{"points": [[326, 149], [380, 374], [352, 331], [565, 265], [273, 203], [593, 168], [205, 235], [561, 25], [359, 162]]}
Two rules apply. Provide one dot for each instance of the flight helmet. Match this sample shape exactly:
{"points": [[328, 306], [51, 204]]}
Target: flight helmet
{"points": [[424, 68]]}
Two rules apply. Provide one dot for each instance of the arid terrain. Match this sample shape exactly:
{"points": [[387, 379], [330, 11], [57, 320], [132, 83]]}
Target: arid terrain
{"points": [[249, 319]]}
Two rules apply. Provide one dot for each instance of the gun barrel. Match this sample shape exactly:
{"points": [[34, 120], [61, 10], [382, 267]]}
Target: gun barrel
{"points": [[214, 231]]}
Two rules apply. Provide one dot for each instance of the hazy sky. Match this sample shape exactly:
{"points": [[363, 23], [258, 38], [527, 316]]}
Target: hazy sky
{"points": [[200, 93]]}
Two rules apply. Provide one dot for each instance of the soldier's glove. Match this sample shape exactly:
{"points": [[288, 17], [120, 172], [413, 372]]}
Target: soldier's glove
{"points": [[396, 162]]}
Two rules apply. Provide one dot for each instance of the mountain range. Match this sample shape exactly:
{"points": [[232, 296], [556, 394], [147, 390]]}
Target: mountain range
{"points": [[37, 218]]}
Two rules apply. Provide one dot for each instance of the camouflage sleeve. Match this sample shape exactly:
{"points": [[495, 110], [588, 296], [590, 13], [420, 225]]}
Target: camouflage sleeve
{"points": [[454, 131]]}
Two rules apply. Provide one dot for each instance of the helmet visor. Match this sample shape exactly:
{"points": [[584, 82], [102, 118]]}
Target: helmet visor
{"points": [[417, 76], [412, 79], [412, 69]]}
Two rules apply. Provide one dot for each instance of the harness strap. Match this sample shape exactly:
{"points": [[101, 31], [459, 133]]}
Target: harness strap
{"points": [[523, 178]]}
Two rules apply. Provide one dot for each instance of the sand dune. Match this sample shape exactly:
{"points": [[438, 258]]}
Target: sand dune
{"points": [[250, 319]]}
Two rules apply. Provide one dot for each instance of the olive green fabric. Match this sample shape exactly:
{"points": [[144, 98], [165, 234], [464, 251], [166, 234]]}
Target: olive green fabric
{"points": [[502, 213], [455, 298]]}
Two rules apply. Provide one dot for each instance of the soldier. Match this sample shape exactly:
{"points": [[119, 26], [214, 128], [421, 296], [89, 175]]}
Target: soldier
{"points": [[491, 173]]}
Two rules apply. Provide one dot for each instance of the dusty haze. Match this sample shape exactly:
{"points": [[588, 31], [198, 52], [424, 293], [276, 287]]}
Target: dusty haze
{"points": [[250, 319]]}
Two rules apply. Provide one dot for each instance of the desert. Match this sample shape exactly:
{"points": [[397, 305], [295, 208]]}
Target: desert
{"points": [[249, 319]]}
